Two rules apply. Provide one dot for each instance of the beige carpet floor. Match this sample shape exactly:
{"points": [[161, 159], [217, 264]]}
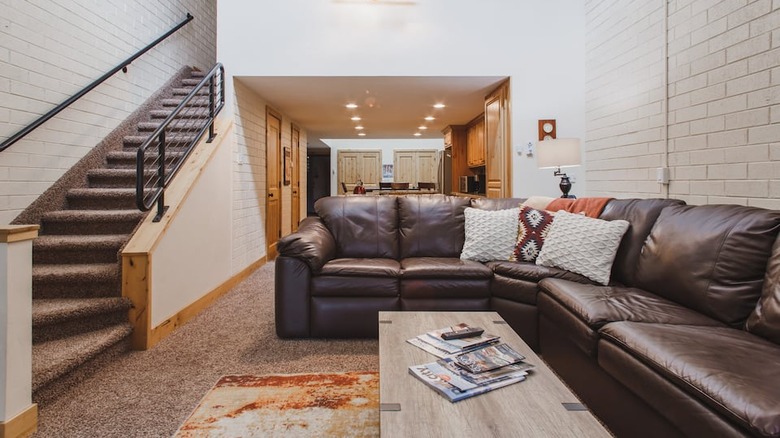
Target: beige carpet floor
{"points": [[150, 393]]}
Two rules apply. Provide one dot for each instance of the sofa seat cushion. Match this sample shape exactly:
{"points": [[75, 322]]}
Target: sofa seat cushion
{"points": [[443, 267], [585, 308], [732, 371], [533, 272], [358, 267]]}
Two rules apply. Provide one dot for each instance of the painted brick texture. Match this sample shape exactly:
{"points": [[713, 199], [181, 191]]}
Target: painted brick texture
{"points": [[50, 49], [723, 98]]}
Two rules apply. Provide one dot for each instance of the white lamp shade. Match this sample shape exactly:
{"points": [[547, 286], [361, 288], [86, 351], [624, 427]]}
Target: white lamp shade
{"points": [[562, 152]]}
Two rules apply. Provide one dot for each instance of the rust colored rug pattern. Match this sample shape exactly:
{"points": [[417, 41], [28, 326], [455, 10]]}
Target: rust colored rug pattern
{"points": [[289, 405]]}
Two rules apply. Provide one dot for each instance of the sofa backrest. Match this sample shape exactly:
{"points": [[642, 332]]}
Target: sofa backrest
{"points": [[711, 258], [362, 226], [496, 203], [641, 214], [765, 319], [431, 225]]}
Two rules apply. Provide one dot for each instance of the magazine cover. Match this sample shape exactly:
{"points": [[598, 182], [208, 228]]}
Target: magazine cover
{"points": [[438, 378], [516, 370], [456, 345], [489, 358]]}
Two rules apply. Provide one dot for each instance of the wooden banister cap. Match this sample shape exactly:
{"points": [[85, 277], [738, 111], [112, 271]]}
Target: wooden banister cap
{"points": [[16, 233]]}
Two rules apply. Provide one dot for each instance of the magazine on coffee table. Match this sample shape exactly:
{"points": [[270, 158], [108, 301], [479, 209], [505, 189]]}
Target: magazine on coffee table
{"points": [[488, 358], [514, 370], [434, 344], [443, 380]]}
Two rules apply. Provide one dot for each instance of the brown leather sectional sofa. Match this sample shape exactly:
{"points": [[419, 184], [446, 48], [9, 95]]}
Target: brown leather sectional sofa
{"points": [[684, 341]]}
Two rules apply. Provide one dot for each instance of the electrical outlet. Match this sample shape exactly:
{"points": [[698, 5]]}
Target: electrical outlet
{"points": [[662, 175]]}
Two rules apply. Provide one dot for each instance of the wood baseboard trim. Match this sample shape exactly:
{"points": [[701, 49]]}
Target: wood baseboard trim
{"points": [[169, 325], [22, 425]]}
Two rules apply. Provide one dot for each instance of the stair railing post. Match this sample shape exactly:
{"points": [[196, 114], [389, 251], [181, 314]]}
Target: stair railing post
{"points": [[211, 109], [17, 411], [160, 178]]}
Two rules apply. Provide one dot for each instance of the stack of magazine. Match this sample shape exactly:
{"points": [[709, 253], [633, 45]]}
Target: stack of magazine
{"points": [[468, 366]]}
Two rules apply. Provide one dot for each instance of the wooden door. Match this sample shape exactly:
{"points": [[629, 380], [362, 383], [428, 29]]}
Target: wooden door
{"points": [[404, 167], [354, 165], [427, 167], [295, 180], [273, 203], [497, 166]]}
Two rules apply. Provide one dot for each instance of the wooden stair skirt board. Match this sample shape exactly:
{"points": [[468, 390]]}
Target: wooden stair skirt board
{"points": [[22, 425], [137, 254]]}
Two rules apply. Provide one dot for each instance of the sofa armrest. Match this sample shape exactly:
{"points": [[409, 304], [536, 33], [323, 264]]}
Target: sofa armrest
{"points": [[313, 243], [292, 297]]}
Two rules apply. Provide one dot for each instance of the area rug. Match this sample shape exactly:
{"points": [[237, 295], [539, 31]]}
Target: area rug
{"points": [[289, 405]]}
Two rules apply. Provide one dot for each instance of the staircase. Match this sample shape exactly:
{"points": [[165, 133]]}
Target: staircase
{"points": [[79, 315]]}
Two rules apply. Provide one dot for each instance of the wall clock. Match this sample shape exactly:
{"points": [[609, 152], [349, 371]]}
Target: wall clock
{"points": [[547, 129]]}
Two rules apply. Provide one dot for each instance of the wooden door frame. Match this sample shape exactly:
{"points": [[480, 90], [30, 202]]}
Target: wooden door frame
{"points": [[295, 182], [271, 246]]}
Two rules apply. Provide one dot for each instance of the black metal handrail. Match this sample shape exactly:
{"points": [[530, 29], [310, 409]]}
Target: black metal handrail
{"points": [[178, 134], [123, 66]]}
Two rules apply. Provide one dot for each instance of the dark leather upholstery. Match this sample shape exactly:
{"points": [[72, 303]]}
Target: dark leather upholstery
{"points": [[362, 267], [313, 243], [519, 291], [641, 214], [724, 251], [731, 371], [765, 319], [349, 317], [354, 286], [532, 272], [362, 226], [431, 225], [291, 297], [443, 267]]}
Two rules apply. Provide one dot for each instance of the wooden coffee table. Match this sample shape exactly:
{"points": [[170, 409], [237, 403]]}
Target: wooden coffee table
{"points": [[539, 406]]}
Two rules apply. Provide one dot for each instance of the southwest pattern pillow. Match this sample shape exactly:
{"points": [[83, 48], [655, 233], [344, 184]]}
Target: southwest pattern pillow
{"points": [[532, 228]]}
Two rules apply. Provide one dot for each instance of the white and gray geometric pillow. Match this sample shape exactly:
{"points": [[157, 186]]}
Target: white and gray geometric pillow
{"points": [[490, 235], [582, 244]]}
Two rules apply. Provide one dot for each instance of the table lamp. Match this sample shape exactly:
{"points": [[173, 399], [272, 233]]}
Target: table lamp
{"points": [[558, 153]]}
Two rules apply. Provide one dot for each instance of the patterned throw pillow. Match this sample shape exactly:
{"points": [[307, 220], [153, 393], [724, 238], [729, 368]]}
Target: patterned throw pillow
{"points": [[532, 228], [490, 234], [583, 245]]}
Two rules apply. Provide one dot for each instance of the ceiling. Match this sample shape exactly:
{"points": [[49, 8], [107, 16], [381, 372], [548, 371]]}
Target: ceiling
{"points": [[390, 106]]}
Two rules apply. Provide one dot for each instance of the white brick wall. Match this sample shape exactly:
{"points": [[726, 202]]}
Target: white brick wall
{"points": [[50, 49], [249, 180], [724, 98]]}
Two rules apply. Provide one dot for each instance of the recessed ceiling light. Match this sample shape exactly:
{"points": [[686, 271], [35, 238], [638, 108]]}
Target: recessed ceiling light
{"points": [[362, 134], [417, 134], [359, 128], [422, 127], [351, 105], [439, 105], [355, 118], [430, 118]]}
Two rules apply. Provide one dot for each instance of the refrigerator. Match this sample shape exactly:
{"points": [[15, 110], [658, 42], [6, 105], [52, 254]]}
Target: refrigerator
{"points": [[445, 171]]}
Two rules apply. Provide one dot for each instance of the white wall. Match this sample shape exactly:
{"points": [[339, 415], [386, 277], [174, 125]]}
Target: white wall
{"points": [[723, 85], [51, 49], [387, 146], [193, 255], [539, 45]]}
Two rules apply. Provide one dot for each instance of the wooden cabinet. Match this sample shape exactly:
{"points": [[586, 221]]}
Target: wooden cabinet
{"points": [[415, 166], [354, 165], [475, 142], [457, 148]]}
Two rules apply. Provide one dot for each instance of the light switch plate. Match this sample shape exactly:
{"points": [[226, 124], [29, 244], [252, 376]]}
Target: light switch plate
{"points": [[662, 175]]}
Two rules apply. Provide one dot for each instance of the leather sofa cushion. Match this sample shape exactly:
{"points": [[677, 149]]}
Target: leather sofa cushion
{"points": [[443, 267], [533, 272], [597, 305], [641, 214], [765, 319], [733, 371], [313, 244], [340, 286], [431, 225], [362, 226], [496, 203], [351, 267], [710, 258]]}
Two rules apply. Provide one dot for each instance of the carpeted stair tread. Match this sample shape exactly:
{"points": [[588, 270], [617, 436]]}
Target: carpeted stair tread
{"points": [[75, 273], [135, 141], [191, 114], [101, 198], [58, 310], [76, 248], [56, 358], [114, 177], [127, 159], [192, 82], [184, 91], [195, 102]]}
